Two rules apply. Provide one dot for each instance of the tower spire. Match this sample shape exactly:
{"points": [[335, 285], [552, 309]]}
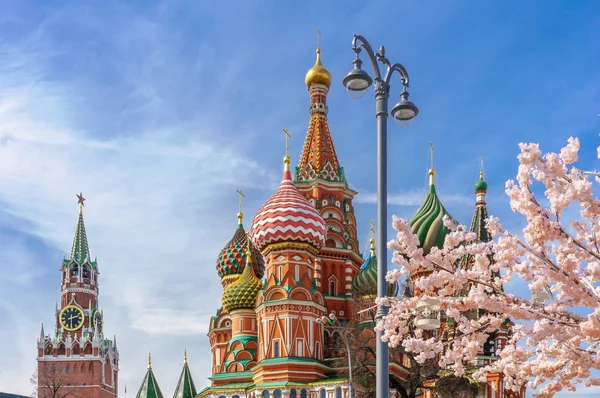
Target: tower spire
{"points": [[372, 241], [286, 159], [80, 250], [149, 360], [240, 215], [431, 171]]}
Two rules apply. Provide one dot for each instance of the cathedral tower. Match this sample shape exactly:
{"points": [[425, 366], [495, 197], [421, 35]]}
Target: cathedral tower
{"points": [[289, 232], [321, 180], [77, 358]]}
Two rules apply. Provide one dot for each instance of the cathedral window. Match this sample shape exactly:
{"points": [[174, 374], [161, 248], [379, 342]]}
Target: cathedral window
{"points": [[299, 348], [297, 273], [332, 288], [280, 272], [241, 324], [276, 349], [489, 347], [86, 272], [68, 368]]}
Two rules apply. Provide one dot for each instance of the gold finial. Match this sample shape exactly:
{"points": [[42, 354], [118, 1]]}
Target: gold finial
{"points": [[286, 159], [372, 241], [80, 200], [431, 169], [318, 74], [149, 361], [480, 167], [184, 356], [240, 215]]}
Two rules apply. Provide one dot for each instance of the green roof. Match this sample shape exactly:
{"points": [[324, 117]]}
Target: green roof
{"points": [[480, 185], [365, 282], [428, 223], [185, 386], [80, 251], [149, 387]]}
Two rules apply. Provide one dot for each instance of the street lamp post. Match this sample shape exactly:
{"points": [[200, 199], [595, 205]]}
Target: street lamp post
{"points": [[331, 322], [357, 82]]}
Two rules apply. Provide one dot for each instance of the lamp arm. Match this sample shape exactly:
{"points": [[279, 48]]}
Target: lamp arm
{"points": [[359, 42], [401, 71]]}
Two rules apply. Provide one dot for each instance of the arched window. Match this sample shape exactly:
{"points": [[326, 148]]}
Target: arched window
{"points": [[297, 273], [303, 393], [276, 349], [277, 393], [61, 349], [68, 368], [332, 288], [86, 272], [330, 243], [322, 393], [293, 393], [75, 272], [489, 347], [265, 394], [338, 392]]}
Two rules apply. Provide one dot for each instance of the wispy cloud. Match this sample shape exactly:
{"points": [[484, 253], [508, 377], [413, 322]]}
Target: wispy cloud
{"points": [[413, 198]]}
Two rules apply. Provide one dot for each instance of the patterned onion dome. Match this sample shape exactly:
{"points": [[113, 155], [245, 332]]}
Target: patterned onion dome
{"points": [[428, 223], [288, 217], [365, 282], [242, 293], [230, 262]]}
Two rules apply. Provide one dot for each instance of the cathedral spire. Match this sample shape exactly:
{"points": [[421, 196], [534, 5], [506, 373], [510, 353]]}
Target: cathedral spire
{"points": [[318, 159], [80, 250], [481, 214], [185, 386], [149, 387]]}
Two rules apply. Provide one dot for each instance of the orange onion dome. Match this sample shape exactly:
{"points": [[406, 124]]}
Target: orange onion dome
{"points": [[287, 217]]}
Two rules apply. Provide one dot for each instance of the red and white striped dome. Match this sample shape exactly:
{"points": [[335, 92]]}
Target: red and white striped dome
{"points": [[288, 217]]}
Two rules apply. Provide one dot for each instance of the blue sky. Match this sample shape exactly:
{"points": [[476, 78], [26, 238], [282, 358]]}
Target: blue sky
{"points": [[159, 111]]}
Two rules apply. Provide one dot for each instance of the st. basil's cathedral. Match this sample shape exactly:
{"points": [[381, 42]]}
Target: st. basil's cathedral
{"points": [[299, 262]]}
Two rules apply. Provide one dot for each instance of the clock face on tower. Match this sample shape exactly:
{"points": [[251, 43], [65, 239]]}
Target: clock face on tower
{"points": [[71, 318]]}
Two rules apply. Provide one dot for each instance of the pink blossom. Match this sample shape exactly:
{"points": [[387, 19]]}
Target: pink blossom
{"points": [[546, 344]]}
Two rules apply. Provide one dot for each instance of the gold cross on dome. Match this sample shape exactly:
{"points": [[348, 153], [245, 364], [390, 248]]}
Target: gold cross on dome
{"points": [[318, 39], [287, 138], [372, 229], [239, 191], [431, 155]]}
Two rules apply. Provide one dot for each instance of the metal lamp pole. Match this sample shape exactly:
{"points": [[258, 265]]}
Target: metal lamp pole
{"points": [[331, 321], [357, 82]]}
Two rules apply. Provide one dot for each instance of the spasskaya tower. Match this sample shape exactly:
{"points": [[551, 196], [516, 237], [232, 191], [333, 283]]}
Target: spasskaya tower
{"points": [[77, 358]]}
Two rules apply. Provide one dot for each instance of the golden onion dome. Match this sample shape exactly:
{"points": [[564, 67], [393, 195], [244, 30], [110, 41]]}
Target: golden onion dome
{"points": [[318, 74]]}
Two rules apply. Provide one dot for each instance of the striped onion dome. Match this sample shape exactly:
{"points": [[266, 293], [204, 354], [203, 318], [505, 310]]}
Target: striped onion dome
{"points": [[427, 223], [288, 217], [230, 263], [242, 293], [365, 282]]}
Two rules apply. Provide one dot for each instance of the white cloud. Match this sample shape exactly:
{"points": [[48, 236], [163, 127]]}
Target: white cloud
{"points": [[155, 217], [413, 198]]}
